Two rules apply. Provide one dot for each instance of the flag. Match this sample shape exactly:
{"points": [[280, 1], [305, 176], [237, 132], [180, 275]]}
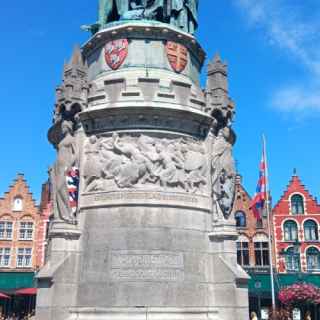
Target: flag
{"points": [[72, 179], [258, 202]]}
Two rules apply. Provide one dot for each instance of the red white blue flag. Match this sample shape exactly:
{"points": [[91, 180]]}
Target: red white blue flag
{"points": [[258, 202], [72, 178]]}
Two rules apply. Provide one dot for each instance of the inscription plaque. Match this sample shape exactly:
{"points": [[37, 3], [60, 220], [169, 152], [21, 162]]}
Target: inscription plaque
{"points": [[120, 260], [147, 266], [147, 274], [91, 200]]}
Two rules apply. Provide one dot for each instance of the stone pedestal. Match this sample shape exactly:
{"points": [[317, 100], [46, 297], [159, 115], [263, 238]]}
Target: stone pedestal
{"points": [[146, 243]]}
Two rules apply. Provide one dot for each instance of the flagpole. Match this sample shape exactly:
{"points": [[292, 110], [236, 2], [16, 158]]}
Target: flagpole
{"points": [[269, 217]]}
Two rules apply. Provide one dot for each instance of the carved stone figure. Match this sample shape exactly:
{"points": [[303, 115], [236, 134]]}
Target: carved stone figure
{"points": [[170, 161], [66, 160], [138, 168], [224, 173], [133, 162], [92, 171], [196, 166]]}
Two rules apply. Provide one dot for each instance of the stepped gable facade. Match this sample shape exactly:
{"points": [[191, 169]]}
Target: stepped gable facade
{"points": [[22, 229], [296, 219]]}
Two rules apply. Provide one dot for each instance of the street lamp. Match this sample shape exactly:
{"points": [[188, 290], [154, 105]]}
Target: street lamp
{"points": [[258, 286]]}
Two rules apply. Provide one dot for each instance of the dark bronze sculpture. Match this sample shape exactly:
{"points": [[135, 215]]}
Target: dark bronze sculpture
{"points": [[182, 14]]}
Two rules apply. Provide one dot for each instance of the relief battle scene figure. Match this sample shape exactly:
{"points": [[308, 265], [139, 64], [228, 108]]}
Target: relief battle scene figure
{"points": [[92, 167], [60, 175], [133, 162]]}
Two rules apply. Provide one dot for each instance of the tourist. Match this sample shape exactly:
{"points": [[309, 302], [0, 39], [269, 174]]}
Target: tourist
{"points": [[254, 316], [308, 316]]}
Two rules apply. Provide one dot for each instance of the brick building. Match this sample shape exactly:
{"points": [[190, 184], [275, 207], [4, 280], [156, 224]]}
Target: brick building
{"points": [[23, 227], [296, 219], [253, 250], [252, 245], [296, 245]]}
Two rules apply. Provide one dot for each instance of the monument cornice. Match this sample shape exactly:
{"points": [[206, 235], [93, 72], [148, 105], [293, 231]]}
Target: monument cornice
{"points": [[145, 31], [141, 117]]}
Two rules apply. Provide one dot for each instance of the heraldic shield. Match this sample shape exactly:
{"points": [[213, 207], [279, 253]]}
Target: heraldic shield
{"points": [[177, 56], [116, 53]]}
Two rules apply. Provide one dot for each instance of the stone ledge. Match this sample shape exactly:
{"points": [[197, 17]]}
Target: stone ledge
{"points": [[143, 313], [64, 230], [145, 198]]}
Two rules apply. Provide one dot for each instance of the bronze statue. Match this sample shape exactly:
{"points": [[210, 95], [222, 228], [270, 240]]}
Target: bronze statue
{"points": [[182, 14]]}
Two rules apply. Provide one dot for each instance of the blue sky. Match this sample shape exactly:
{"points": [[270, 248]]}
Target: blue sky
{"points": [[272, 48]]}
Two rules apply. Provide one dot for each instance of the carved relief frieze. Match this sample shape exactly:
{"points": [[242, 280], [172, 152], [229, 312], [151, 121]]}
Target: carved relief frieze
{"points": [[143, 161]]}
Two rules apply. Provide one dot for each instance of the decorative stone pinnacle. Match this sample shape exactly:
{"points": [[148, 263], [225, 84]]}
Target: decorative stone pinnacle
{"points": [[72, 93], [217, 66], [76, 63]]}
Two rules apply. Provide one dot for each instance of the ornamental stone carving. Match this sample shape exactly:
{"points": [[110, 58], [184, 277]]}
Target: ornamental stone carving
{"points": [[223, 173], [66, 161], [145, 161]]}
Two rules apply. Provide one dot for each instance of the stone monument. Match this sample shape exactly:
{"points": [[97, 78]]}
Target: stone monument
{"points": [[143, 184]]}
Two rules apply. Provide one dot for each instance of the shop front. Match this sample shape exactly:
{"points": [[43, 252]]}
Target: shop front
{"points": [[17, 293], [260, 300]]}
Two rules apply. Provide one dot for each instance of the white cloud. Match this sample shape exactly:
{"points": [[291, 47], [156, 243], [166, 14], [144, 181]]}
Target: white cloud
{"points": [[296, 99], [288, 27]]}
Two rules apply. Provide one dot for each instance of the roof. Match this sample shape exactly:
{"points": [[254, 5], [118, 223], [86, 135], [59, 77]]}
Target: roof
{"points": [[296, 186]]}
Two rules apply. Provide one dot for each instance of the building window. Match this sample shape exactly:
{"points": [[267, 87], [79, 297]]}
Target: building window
{"points": [[24, 258], [261, 252], [5, 230], [26, 231], [259, 224], [17, 204], [292, 259], [290, 231], [5, 257], [310, 231], [241, 221], [313, 259], [243, 253], [297, 204]]}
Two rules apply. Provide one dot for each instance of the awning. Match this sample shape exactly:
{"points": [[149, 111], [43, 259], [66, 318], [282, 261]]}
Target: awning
{"points": [[289, 279], [26, 292], [11, 281], [4, 296], [260, 284]]}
